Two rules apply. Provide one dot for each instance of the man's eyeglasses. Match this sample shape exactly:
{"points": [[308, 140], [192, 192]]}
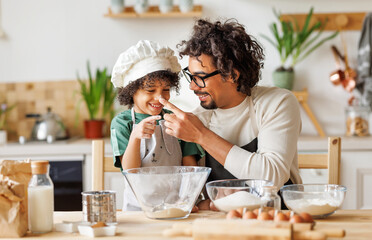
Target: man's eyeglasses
{"points": [[198, 80]]}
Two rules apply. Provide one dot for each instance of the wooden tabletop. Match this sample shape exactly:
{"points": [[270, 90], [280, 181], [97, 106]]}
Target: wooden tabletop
{"points": [[135, 225]]}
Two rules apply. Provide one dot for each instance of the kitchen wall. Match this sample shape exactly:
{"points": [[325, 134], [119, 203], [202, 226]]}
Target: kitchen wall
{"points": [[51, 40]]}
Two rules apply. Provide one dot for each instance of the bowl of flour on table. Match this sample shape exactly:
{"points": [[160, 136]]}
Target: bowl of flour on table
{"points": [[319, 200], [232, 194]]}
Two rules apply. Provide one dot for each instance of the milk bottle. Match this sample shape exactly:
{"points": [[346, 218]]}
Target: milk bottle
{"points": [[40, 198]]}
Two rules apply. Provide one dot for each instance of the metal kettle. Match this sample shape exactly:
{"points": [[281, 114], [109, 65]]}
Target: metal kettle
{"points": [[48, 127]]}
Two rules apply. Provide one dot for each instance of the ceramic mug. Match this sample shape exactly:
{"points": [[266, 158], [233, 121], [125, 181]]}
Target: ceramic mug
{"points": [[141, 6], [186, 5], [117, 6], [166, 6]]}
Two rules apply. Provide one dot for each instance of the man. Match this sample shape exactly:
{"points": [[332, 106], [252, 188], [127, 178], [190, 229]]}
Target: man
{"points": [[248, 131]]}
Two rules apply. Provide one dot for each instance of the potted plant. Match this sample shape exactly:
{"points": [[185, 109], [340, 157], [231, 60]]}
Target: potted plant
{"points": [[4, 110], [294, 44], [98, 94]]}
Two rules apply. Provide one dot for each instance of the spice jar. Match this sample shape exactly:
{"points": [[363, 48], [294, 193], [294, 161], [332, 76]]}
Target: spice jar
{"points": [[357, 121], [40, 198]]}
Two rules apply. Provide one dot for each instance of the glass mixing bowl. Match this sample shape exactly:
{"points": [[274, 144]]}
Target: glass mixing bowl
{"points": [[232, 194], [167, 192], [319, 200]]}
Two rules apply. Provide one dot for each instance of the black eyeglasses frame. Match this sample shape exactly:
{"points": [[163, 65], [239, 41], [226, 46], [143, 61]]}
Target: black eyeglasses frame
{"points": [[190, 77]]}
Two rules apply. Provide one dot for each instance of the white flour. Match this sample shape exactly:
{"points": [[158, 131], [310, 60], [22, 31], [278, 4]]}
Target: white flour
{"points": [[313, 206], [168, 213], [238, 200]]}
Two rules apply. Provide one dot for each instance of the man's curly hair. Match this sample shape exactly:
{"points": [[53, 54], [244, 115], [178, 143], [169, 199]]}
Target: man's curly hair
{"points": [[230, 48], [125, 94]]}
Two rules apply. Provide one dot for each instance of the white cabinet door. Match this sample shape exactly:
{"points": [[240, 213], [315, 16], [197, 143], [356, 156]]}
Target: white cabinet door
{"points": [[356, 175]]}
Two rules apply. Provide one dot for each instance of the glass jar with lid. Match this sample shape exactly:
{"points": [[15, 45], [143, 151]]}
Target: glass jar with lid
{"points": [[40, 198], [357, 118]]}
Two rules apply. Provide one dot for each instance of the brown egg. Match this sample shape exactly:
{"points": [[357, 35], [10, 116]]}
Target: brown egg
{"points": [[240, 210], [272, 213], [264, 216], [280, 217], [249, 215], [296, 219], [256, 211], [288, 214], [306, 217], [233, 214]]}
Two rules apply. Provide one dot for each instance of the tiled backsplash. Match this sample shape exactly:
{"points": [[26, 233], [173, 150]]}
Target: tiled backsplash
{"points": [[34, 97]]}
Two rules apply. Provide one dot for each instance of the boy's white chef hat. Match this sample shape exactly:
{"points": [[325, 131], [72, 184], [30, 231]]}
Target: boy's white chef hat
{"points": [[143, 58]]}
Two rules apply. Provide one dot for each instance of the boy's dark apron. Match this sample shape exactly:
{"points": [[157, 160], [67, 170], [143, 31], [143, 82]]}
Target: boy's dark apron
{"points": [[219, 172]]}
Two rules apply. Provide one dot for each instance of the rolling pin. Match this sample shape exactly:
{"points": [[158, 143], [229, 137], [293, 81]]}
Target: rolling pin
{"points": [[249, 229]]}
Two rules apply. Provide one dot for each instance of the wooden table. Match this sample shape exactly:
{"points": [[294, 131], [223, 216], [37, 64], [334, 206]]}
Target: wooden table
{"points": [[135, 225]]}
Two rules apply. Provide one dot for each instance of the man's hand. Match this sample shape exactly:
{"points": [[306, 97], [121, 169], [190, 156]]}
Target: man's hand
{"points": [[182, 125], [145, 128]]}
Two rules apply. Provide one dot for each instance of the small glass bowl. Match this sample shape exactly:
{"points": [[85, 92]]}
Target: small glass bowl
{"points": [[319, 200], [232, 194]]}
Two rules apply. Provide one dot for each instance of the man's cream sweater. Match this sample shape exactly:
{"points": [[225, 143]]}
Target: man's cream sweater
{"points": [[278, 123]]}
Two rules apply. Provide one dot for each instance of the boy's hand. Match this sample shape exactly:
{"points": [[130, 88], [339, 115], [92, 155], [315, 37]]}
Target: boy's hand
{"points": [[145, 128], [182, 125]]}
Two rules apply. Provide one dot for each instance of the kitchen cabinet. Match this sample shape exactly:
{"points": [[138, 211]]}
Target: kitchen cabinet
{"points": [[154, 12], [356, 168]]}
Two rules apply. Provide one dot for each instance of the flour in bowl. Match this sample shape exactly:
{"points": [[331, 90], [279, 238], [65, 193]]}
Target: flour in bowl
{"points": [[313, 206], [238, 200]]}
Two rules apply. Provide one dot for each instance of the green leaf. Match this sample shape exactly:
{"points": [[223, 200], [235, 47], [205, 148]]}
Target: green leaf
{"points": [[98, 93], [316, 46]]}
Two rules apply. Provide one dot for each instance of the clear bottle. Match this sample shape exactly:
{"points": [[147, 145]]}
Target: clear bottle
{"points": [[270, 199], [40, 198]]}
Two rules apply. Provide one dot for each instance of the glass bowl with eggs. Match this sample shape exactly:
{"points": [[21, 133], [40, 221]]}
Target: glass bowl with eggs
{"points": [[167, 192], [319, 200], [232, 194]]}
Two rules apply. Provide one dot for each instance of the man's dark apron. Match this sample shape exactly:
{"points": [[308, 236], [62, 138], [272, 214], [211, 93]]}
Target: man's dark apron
{"points": [[218, 170]]}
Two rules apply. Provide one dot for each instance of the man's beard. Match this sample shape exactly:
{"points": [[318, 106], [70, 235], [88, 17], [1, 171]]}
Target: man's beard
{"points": [[210, 106]]}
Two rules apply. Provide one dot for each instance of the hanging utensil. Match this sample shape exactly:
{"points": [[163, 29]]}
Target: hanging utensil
{"points": [[350, 74], [337, 76]]}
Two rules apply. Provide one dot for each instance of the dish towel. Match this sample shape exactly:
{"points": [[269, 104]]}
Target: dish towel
{"points": [[364, 80]]}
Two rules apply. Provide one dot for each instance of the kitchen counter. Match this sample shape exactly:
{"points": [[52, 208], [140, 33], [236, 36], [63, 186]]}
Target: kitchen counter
{"points": [[83, 146], [134, 225], [62, 147], [313, 143]]}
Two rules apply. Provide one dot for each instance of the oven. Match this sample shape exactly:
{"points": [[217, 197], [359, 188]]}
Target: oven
{"points": [[67, 177]]}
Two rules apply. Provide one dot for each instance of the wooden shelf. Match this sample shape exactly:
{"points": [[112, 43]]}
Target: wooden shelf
{"points": [[154, 12], [336, 21]]}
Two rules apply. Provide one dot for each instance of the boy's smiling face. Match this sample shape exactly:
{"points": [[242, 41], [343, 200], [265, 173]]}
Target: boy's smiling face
{"points": [[146, 99]]}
